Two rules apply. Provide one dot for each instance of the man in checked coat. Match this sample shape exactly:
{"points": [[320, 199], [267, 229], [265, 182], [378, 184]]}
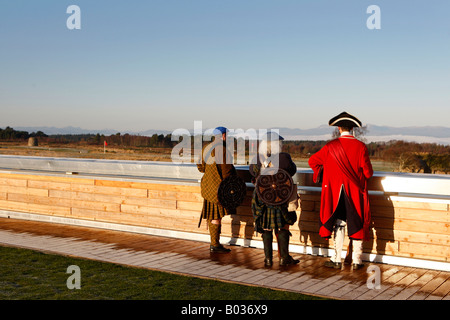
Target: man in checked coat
{"points": [[268, 218], [216, 165]]}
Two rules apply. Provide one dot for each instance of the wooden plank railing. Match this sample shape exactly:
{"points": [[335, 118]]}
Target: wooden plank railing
{"points": [[404, 224]]}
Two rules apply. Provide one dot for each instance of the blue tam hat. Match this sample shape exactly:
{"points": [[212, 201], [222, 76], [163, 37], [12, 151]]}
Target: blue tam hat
{"points": [[220, 130]]}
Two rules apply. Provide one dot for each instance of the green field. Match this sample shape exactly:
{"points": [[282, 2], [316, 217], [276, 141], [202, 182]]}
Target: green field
{"points": [[30, 275]]}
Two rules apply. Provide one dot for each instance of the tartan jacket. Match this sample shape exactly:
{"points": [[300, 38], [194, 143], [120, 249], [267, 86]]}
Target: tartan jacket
{"points": [[214, 173]]}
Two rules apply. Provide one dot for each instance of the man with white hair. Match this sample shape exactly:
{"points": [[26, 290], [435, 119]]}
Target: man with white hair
{"points": [[273, 218]]}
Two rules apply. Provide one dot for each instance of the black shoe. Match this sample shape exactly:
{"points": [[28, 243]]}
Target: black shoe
{"points": [[357, 266], [283, 248], [219, 249], [331, 264], [268, 262], [288, 261]]}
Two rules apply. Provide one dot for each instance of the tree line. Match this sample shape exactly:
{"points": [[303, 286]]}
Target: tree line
{"points": [[9, 134], [408, 156], [412, 156], [118, 139]]}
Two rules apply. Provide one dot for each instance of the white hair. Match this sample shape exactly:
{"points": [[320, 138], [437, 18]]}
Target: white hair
{"points": [[270, 147]]}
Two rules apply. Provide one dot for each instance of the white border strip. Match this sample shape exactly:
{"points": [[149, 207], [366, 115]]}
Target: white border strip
{"points": [[401, 261]]}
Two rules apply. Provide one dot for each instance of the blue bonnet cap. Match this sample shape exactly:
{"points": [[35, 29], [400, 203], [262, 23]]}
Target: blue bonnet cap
{"points": [[220, 130]]}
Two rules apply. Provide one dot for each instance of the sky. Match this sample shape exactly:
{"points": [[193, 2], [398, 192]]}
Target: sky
{"points": [[163, 64]]}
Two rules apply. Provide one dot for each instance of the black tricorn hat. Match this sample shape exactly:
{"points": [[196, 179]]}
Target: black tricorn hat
{"points": [[345, 120]]}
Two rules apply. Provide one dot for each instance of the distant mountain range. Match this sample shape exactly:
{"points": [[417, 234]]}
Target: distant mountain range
{"points": [[425, 134], [374, 130], [430, 134]]}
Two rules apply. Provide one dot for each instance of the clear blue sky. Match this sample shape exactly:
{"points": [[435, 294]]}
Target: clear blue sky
{"points": [[162, 64]]}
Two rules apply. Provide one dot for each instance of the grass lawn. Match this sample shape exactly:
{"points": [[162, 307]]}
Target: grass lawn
{"points": [[31, 275]]}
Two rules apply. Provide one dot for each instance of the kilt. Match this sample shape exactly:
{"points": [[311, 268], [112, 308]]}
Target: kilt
{"points": [[213, 175], [271, 217], [214, 211]]}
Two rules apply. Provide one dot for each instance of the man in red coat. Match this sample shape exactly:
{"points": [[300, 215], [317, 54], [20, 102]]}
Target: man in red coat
{"points": [[346, 167]]}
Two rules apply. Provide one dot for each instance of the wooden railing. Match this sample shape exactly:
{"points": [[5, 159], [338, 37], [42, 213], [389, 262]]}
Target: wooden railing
{"points": [[410, 212]]}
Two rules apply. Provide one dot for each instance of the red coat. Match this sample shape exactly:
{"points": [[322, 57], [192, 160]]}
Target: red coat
{"points": [[335, 180]]}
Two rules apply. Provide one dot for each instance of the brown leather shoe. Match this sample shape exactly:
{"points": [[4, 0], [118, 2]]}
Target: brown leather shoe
{"points": [[331, 264], [219, 249]]}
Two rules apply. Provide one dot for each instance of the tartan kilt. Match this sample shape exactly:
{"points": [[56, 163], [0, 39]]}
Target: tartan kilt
{"points": [[271, 217], [214, 211]]}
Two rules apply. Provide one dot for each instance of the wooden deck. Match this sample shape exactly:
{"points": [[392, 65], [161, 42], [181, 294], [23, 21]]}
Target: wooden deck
{"points": [[243, 265]]}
